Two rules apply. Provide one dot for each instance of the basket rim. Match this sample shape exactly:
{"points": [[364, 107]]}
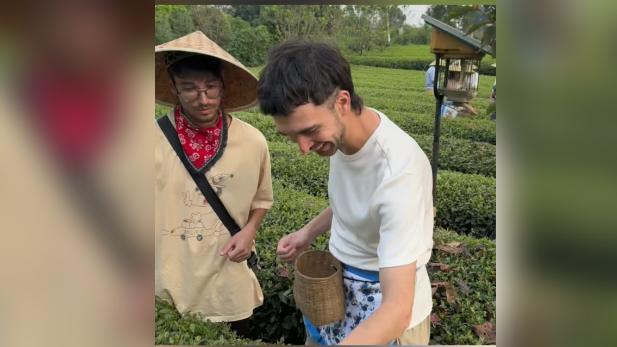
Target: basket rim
{"points": [[338, 270]]}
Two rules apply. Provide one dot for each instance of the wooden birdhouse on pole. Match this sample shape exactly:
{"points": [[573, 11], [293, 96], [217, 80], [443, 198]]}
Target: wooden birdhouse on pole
{"points": [[457, 59]]}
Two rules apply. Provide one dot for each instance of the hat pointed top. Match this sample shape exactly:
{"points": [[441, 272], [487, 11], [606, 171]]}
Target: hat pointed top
{"points": [[240, 83]]}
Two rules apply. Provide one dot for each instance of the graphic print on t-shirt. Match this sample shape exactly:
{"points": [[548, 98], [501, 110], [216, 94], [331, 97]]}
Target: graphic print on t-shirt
{"points": [[194, 228]]}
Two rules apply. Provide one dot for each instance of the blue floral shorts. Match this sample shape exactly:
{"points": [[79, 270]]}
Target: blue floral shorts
{"points": [[362, 298]]}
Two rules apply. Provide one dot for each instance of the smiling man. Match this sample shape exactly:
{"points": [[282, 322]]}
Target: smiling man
{"points": [[200, 266], [380, 192]]}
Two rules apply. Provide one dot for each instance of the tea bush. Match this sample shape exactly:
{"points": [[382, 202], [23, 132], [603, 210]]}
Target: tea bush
{"points": [[470, 271], [465, 202], [278, 317], [479, 130], [472, 277], [173, 328], [461, 155], [409, 63]]}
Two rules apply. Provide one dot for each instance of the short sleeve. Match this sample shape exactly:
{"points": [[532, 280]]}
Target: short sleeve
{"points": [[264, 195]]}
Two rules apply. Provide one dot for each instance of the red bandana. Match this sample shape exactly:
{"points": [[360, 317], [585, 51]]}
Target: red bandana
{"points": [[200, 144]]}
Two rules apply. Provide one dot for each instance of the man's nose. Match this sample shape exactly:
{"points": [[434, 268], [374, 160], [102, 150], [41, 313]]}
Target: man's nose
{"points": [[305, 144], [203, 98]]}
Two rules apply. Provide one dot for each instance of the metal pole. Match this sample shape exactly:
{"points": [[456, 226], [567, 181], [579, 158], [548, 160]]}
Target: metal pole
{"points": [[437, 128]]}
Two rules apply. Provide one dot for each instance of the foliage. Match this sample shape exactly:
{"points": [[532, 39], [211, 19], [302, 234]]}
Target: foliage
{"points": [[278, 317], [466, 203], [471, 273], [300, 21], [390, 62], [392, 19], [470, 276], [248, 13], [412, 57], [173, 328], [408, 63], [479, 21], [248, 44], [479, 130], [180, 21], [461, 155], [361, 29], [214, 23], [163, 32], [413, 35]]}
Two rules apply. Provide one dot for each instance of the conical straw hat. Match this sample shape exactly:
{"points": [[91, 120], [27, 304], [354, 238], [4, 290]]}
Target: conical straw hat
{"points": [[240, 83]]}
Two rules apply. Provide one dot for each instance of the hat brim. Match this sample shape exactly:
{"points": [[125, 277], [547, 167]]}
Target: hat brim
{"points": [[240, 84]]}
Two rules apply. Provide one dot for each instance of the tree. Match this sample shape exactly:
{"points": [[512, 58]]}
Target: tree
{"points": [[248, 44], [248, 13], [479, 21], [212, 22], [180, 21], [442, 13], [362, 29], [295, 21], [162, 29], [392, 18], [413, 35]]}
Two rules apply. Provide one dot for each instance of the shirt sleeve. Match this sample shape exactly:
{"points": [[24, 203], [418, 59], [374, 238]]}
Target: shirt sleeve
{"points": [[264, 195], [404, 206]]}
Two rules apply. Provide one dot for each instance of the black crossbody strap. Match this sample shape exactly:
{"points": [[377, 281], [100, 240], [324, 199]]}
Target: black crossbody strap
{"points": [[199, 178]]}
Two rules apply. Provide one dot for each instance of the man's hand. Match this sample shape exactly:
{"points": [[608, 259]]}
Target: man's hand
{"points": [[239, 247], [290, 246]]}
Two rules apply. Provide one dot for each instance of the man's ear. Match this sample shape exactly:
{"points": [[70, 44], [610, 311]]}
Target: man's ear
{"points": [[343, 101], [172, 87]]}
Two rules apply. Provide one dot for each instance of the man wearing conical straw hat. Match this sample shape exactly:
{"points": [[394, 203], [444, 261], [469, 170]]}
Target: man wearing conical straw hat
{"points": [[200, 266]]}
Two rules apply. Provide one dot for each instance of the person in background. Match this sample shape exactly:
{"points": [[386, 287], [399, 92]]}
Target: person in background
{"points": [[429, 77]]}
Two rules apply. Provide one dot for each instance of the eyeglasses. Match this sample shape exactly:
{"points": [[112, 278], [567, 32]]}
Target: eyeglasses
{"points": [[192, 93]]}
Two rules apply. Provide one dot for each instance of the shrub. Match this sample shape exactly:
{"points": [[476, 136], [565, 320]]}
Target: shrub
{"points": [[461, 155], [172, 328], [480, 130], [278, 318], [470, 270], [390, 62], [472, 275], [408, 63], [308, 173], [466, 203], [264, 123]]}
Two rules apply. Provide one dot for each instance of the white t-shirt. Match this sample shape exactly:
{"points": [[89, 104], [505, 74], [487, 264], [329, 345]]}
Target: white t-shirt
{"points": [[382, 204]]}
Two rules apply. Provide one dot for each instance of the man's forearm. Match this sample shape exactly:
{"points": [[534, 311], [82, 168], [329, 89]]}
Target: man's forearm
{"points": [[384, 325], [256, 216], [390, 319], [320, 224]]}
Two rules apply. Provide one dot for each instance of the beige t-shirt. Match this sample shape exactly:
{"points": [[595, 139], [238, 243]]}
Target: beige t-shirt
{"points": [[189, 236]]}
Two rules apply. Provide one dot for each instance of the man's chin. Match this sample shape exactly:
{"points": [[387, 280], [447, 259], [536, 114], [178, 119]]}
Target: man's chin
{"points": [[328, 151]]}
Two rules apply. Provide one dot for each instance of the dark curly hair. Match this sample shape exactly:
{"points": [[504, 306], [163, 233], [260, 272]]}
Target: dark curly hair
{"points": [[300, 72]]}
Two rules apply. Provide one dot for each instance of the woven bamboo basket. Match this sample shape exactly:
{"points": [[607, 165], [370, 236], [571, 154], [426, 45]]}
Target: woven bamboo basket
{"points": [[318, 287]]}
